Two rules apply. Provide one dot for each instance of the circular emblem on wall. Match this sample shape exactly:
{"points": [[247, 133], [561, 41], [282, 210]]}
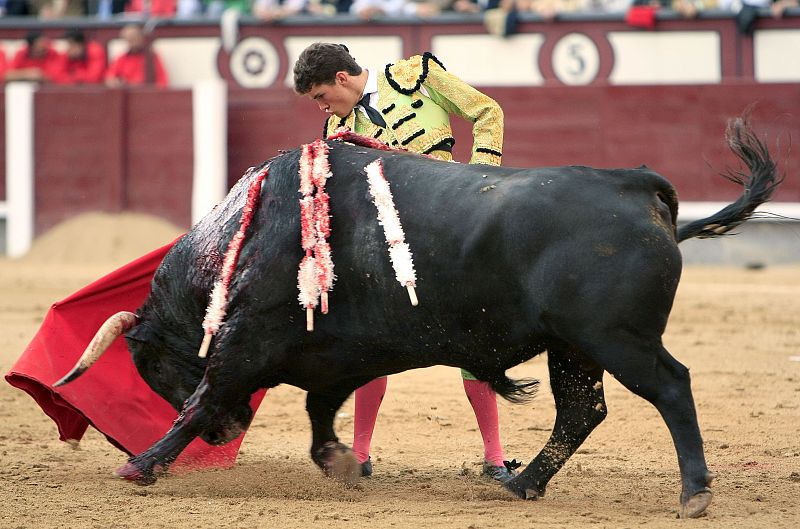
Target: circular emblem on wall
{"points": [[254, 63], [576, 59]]}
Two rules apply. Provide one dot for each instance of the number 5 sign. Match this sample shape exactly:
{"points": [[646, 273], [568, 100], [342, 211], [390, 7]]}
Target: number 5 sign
{"points": [[576, 59]]}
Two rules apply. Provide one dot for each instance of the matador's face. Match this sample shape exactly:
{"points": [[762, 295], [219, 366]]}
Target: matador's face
{"points": [[338, 98]]}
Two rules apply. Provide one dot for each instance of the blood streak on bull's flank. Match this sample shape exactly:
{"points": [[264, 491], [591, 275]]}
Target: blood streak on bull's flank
{"points": [[218, 302]]}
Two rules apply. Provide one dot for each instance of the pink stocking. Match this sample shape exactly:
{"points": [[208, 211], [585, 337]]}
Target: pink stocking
{"points": [[368, 402], [484, 404]]}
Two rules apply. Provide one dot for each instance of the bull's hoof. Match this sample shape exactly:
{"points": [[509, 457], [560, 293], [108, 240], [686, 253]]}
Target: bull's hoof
{"points": [[696, 505], [533, 494], [339, 463], [131, 472], [521, 490]]}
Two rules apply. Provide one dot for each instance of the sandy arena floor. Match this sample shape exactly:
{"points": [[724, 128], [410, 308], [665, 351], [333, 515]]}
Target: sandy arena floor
{"points": [[738, 330]]}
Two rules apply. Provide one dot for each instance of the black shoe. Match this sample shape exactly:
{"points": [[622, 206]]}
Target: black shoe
{"points": [[501, 473], [366, 468]]}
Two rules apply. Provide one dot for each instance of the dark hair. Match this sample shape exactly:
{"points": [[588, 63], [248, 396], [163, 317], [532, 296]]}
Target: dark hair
{"points": [[75, 35], [319, 63], [32, 36]]}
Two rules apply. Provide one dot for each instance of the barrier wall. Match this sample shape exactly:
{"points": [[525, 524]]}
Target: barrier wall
{"points": [[112, 150]]}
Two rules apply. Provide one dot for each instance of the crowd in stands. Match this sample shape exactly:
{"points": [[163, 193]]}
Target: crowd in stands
{"points": [[84, 61], [270, 10]]}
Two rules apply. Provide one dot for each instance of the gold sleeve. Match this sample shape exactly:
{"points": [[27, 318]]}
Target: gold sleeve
{"points": [[486, 116]]}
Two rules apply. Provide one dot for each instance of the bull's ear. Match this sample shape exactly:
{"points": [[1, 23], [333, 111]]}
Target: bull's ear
{"points": [[141, 333]]}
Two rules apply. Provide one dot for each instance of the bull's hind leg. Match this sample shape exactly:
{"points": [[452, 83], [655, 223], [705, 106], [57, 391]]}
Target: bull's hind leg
{"points": [[580, 407], [334, 458], [653, 374]]}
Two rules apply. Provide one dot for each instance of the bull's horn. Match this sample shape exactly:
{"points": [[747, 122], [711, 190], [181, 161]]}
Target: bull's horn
{"points": [[114, 326]]}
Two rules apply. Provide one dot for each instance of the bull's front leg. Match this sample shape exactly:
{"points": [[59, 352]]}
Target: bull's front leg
{"points": [[580, 407], [145, 467], [334, 458], [217, 416]]}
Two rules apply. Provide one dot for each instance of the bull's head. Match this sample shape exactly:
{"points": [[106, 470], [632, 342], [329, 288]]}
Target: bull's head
{"points": [[168, 364]]}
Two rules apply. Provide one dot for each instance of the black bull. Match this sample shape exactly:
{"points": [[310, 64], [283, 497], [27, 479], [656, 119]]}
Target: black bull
{"points": [[582, 263]]}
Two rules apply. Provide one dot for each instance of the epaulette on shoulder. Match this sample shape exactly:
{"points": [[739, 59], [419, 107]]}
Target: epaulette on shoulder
{"points": [[408, 75]]}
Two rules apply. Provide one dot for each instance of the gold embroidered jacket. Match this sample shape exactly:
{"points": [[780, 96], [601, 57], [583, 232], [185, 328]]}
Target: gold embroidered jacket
{"points": [[421, 123]]}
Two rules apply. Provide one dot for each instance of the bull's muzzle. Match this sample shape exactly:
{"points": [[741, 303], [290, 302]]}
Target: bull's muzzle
{"points": [[114, 326]]}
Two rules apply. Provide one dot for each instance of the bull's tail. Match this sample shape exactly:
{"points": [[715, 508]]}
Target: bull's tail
{"points": [[515, 391], [758, 185]]}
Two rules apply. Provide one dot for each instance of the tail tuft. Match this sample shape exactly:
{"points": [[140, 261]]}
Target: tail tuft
{"points": [[516, 391], [759, 184]]}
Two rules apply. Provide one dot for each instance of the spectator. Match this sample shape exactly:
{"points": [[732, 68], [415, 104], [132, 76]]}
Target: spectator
{"points": [[215, 8], [105, 8], [269, 10], [501, 16], [36, 61], [188, 8], [329, 7], [686, 8], [782, 5], [152, 8], [548, 9], [139, 65], [609, 6], [51, 9], [84, 62], [468, 6], [370, 9], [746, 12], [17, 8]]}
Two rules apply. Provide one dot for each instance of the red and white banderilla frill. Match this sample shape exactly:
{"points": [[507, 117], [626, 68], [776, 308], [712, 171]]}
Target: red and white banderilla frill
{"points": [[315, 275]]}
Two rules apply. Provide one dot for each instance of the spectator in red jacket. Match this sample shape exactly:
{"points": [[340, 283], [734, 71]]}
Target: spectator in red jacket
{"points": [[140, 65], [36, 61], [84, 62], [3, 64], [153, 8]]}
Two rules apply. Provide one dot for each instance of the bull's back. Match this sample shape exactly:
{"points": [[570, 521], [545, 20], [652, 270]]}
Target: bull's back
{"points": [[494, 249], [491, 246]]}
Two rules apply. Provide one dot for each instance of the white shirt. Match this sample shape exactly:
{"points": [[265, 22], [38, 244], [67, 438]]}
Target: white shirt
{"points": [[370, 88]]}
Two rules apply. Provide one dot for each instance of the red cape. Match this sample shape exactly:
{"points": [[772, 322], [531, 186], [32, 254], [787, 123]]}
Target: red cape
{"points": [[111, 396]]}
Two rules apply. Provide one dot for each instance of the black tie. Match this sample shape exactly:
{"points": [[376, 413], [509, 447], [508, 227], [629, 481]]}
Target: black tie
{"points": [[374, 115]]}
